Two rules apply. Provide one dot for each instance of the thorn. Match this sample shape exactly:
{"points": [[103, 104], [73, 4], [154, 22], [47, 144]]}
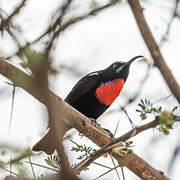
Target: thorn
{"points": [[9, 83], [174, 109], [124, 110], [12, 105], [116, 128]]}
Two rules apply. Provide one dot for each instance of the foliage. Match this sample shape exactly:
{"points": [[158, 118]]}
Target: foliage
{"points": [[166, 121], [146, 107], [24, 154], [31, 59], [123, 149], [16, 162], [34, 60], [86, 151], [53, 161], [165, 118]]}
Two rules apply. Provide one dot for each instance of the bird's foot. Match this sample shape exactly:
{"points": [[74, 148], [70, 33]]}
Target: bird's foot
{"points": [[94, 121]]}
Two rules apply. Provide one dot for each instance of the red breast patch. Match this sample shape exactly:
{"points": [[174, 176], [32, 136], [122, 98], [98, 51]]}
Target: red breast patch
{"points": [[107, 92]]}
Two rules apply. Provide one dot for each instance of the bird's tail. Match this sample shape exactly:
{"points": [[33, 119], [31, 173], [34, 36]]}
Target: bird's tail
{"points": [[47, 143]]}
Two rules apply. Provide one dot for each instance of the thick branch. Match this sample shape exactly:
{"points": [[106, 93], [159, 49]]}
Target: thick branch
{"points": [[55, 118], [77, 120], [116, 142], [154, 49]]}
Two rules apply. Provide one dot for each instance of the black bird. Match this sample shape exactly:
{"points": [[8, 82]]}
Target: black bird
{"points": [[92, 95]]}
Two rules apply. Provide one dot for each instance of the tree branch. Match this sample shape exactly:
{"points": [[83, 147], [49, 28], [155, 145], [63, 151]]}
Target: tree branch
{"points": [[76, 19], [77, 120], [64, 9], [154, 49], [5, 23], [116, 142]]}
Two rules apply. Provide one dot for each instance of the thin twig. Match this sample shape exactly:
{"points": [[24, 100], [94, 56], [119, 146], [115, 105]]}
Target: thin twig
{"points": [[114, 167], [116, 127], [66, 25], [31, 167], [111, 155], [6, 22], [124, 110], [10, 166], [162, 99], [106, 172], [7, 25], [164, 37], [8, 171], [122, 171], [77, 19], [102, 165], [46, 167], [58, 23]]}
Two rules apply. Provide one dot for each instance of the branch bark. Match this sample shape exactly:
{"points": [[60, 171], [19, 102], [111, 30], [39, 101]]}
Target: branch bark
{"points": [[77, 120], [154, 49], [116, 142]]}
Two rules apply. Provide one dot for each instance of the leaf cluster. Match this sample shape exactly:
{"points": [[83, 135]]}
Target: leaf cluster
{"points": [[53, 161], [34, 60], [165, 118], [85, 151], [124, 149], [166, 121], [146, 107], [15, 163]]}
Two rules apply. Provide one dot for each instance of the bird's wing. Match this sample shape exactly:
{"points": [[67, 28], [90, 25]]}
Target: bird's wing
{"points": [[83, 86]]}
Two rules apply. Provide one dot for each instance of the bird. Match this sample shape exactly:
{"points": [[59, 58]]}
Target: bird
{"points": [[92, 95]]}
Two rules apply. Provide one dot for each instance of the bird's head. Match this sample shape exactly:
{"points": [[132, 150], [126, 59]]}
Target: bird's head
{"points": [[118, 70]]}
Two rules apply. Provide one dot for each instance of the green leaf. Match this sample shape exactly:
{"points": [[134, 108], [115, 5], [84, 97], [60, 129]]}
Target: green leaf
{"points": [[137, 110], [53, 161]]}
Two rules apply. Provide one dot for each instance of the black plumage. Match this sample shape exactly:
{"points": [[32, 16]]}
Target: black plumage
{"points": [[88, 100]]}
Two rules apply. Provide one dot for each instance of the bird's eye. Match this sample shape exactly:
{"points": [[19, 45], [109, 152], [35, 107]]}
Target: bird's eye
{"points": [[115, 66]]}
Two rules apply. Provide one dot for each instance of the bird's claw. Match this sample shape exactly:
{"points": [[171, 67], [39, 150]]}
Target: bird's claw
{"points": [[94, 121], [110, 133], [107, 130]]}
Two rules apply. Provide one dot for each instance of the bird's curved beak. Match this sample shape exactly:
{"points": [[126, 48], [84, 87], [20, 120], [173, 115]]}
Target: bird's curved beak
{"points": [[134, 58]]}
